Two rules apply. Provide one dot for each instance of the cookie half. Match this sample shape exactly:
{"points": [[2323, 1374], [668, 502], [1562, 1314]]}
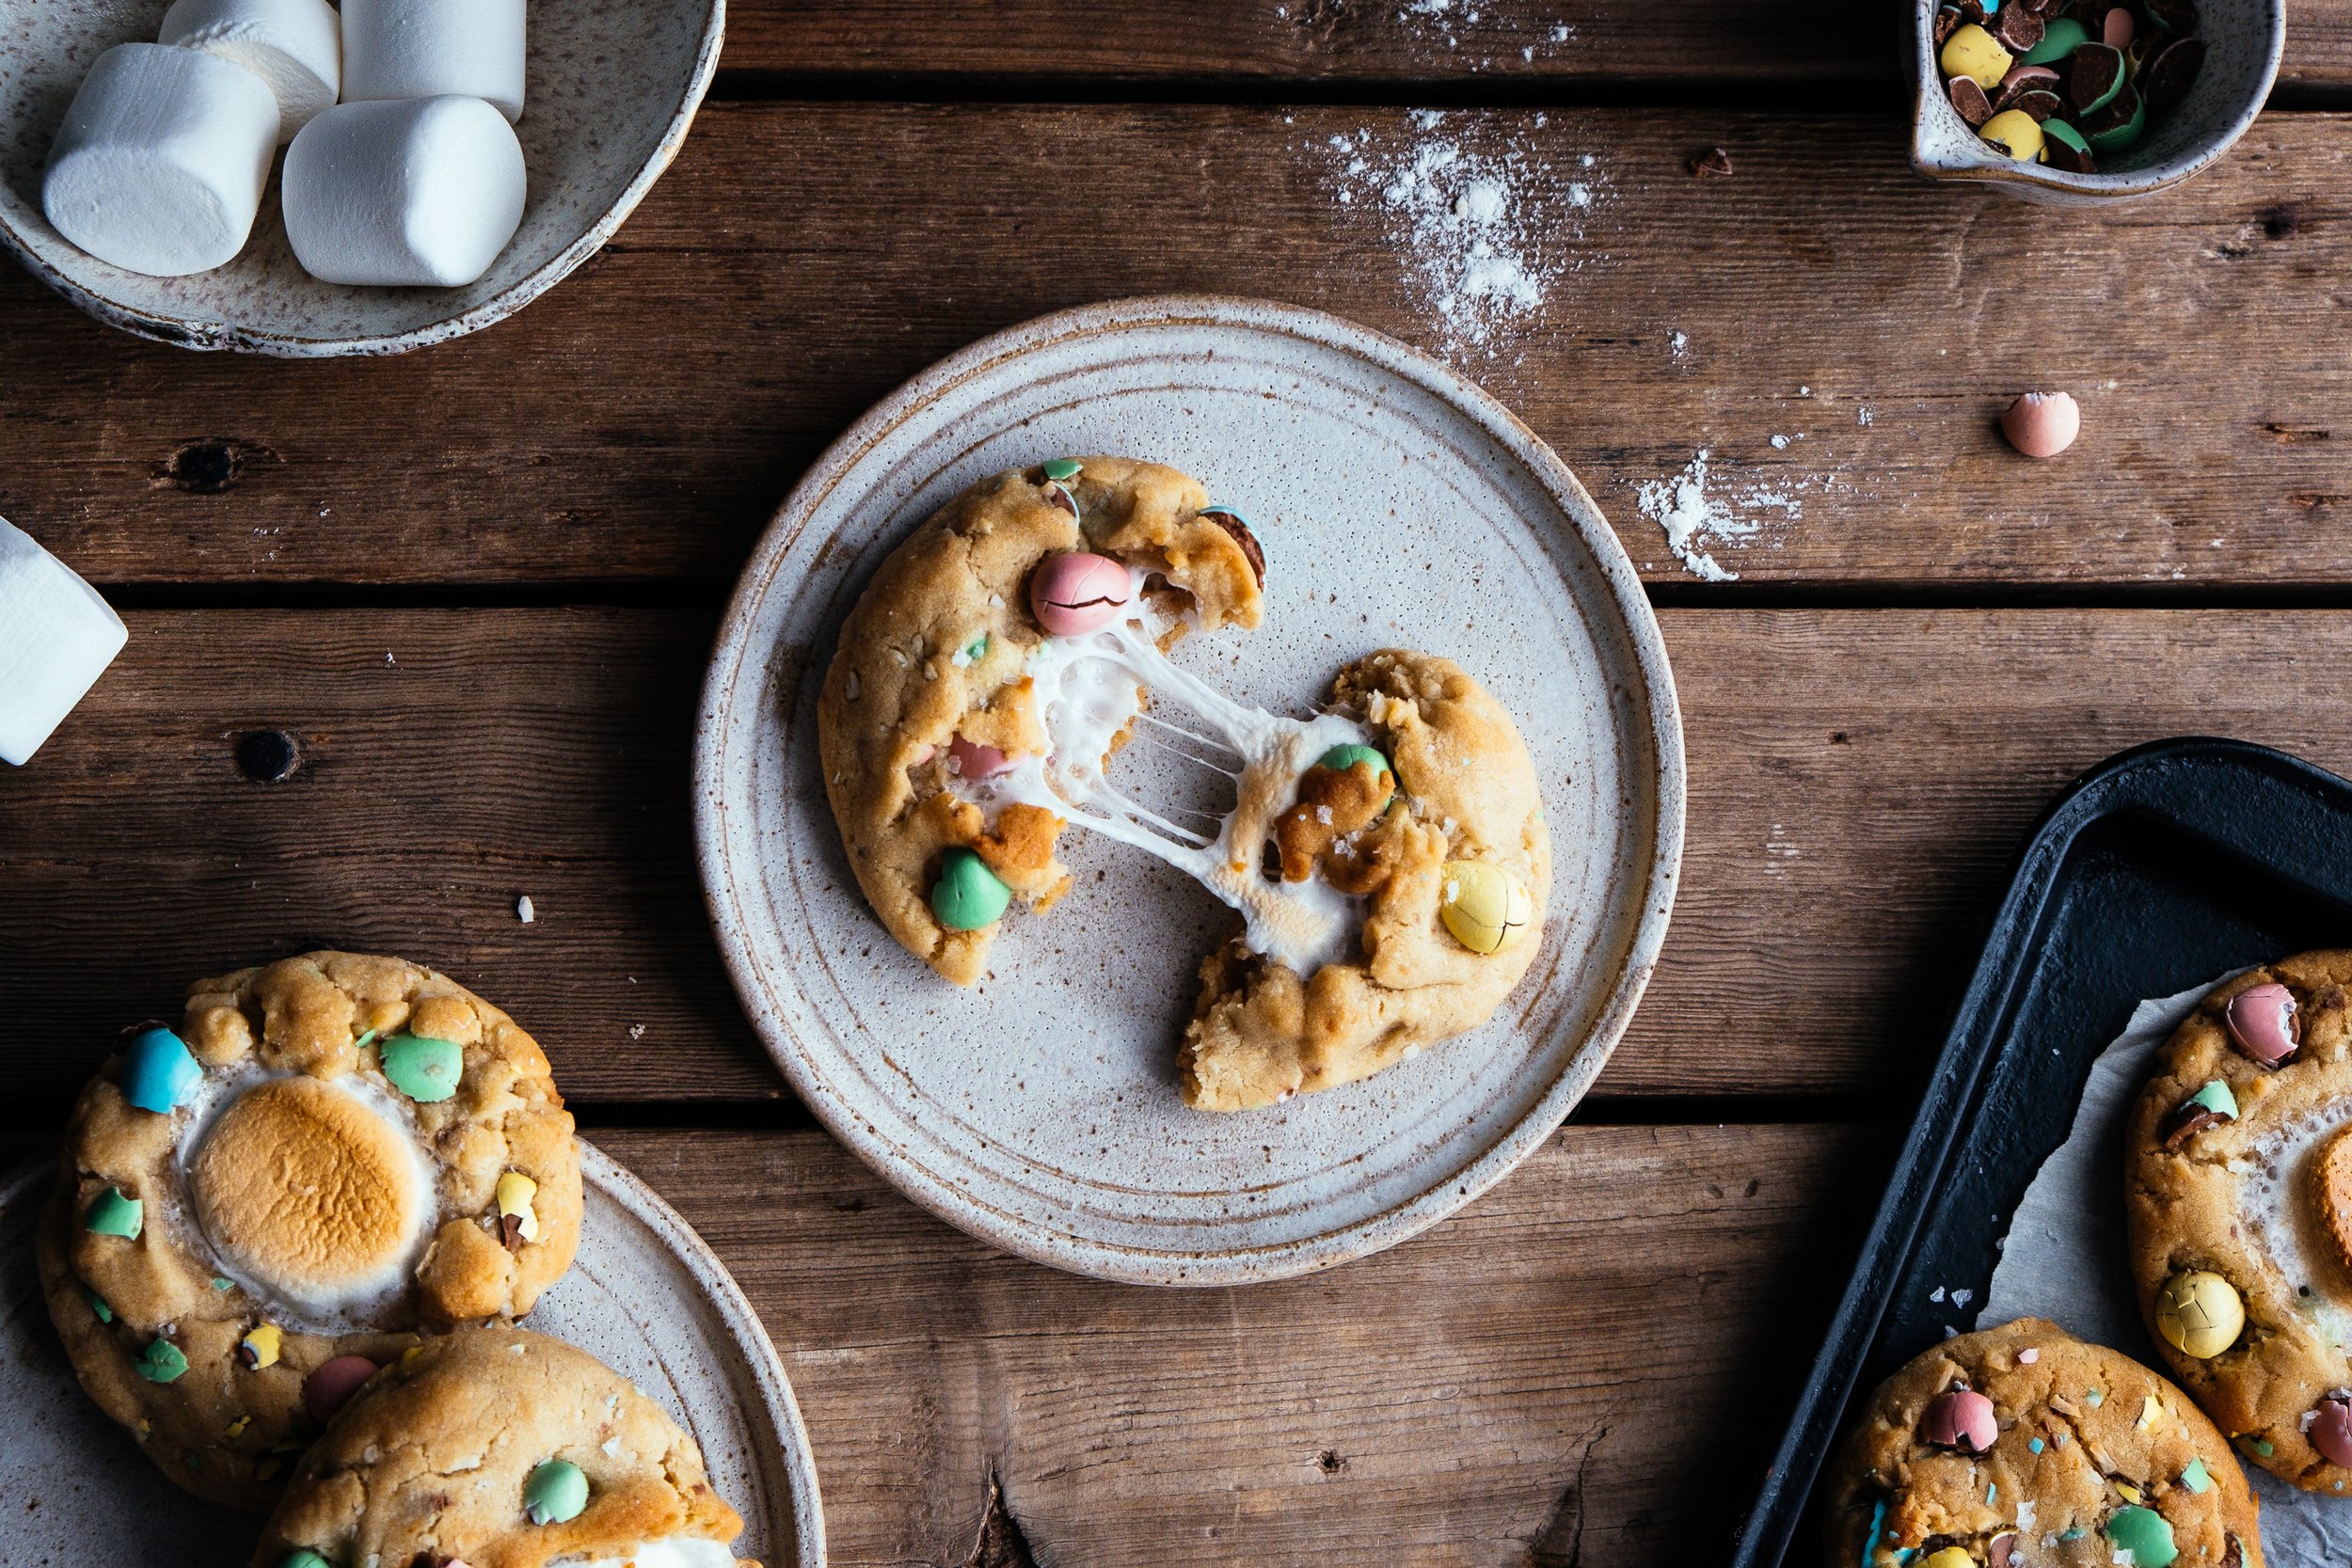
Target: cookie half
{"points": [[498, 1447], [259, 1207], [2021, 1446], [2238, 1188]]}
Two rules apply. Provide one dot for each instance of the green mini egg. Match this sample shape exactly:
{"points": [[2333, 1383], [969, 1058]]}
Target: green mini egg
{"points": [[112, 1215], [2061, 38], [1340, 759], [423, 1068], [303, 1556], [554, 1492], [2144, 1533], [968, 895], [1062, 468], [1484, 906], [162, 1362], [2118, 134], [2216, 1096]]}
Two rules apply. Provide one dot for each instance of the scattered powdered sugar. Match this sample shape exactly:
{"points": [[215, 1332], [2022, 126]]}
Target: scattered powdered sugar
{"points": [[1679, 345], [1483, 233], [1692, 517]]}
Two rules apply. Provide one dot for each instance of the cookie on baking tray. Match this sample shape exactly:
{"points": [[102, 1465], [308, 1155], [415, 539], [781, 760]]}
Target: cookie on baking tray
{"points": [[1388, 856], [2238, 1192], [258, 1209], [496, 1448], [2021, 1446]]}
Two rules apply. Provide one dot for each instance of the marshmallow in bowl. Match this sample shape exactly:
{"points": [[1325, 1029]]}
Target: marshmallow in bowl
{"points": [[160, 164], [296, 47], [430, 48], [422, 193], [56, 637]]}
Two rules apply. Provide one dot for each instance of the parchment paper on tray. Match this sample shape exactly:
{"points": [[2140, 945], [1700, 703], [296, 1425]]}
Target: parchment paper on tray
{"points": [[2063, 1260]]}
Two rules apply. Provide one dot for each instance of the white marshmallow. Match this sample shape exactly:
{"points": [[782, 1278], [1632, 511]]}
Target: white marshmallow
{"points": [[296, 47], [424, 193], [429, 48], [56, 637], [160, 164]]}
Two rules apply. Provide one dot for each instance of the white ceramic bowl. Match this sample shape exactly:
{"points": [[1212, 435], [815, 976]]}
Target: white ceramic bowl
{"points": [[613, 85], [2243, 41]]}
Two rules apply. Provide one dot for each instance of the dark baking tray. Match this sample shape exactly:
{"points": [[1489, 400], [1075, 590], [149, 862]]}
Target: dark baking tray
{"points": [[2162, 867]]}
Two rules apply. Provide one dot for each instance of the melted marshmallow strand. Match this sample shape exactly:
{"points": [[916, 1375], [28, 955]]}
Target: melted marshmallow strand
{"points": [[1090, 688], [678, 1551]]}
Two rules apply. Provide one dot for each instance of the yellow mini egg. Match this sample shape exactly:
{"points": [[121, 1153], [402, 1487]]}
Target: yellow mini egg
{"points": [[2015, 133], [1951, 1556], [2200, 1314], [1484, 906], [515, 1193], [1973, 53]]}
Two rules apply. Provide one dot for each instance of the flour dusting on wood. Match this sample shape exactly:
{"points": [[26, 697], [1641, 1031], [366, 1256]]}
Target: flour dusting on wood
{"points": [[1695, 517]]}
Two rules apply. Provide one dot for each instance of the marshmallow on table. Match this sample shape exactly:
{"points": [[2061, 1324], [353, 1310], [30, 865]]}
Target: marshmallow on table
{"points": [[56, 637], [428, 48], [296, 47], [160, 164], [422, 193]]}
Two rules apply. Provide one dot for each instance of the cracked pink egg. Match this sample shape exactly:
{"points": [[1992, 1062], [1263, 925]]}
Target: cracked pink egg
{"points": [[2262, 1021], [2332, 1430], [2042, 425], [1962, 1418], [330, 1388], [973, 761], [1072, 595]]}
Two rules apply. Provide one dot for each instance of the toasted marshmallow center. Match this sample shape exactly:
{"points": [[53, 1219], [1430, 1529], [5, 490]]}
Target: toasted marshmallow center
{"points": [[2278, 1193], [311, 1193]]}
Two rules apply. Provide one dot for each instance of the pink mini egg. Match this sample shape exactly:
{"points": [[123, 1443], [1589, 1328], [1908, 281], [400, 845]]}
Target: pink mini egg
{"points": [[1071, 594], [330, 1388], [973, 761], [2042, 425], [2262, 1021], [2031, 76], [2332, 1430], [1962, 1418], [2116, 31]]}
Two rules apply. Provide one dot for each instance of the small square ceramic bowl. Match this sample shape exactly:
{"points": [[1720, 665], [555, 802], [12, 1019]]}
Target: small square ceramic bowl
{"points": [[2244, 39], [610, 89]]}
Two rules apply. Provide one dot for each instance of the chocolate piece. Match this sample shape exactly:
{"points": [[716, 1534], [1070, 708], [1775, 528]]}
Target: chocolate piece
{"points": [[2171, 72], [2094, 77], [1946, 22], [1973, 11], [2041, 104], [2018, 29], [1970, 100], [2117, 126], [511, 1231], [1714, 163], [1251, 549], [2187, 1119], [2064, 149], [2003, 1552]]}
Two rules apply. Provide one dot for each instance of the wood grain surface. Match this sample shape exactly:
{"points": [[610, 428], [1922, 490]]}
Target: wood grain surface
{"points": [[1489, 45], [1859, 784], [1547, 1379], [641, 423]]}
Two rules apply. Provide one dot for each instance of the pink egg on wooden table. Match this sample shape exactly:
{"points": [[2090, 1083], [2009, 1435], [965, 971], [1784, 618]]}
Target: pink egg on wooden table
{"points": [[1074, 593], [2042, 425]]}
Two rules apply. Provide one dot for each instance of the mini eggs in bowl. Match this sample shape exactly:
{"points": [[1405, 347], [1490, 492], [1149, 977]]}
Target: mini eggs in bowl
{"points": [[612, 88]]}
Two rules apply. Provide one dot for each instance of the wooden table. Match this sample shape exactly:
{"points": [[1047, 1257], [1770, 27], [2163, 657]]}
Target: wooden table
{"points": [[477, 586]]}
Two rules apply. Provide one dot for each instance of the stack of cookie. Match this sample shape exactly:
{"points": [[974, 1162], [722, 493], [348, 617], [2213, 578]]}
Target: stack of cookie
{"points": [[287, 1249]]}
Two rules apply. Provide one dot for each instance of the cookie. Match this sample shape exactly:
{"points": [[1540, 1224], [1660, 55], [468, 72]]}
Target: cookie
{"points": [[2237, 1192], [1388, 856], [496, 1448], [2022, 1447], [257, 1209]]}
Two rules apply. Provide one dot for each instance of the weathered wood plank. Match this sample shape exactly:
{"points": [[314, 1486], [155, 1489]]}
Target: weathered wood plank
{"points": [[1543, 1379], [641, 421], [1455, 42], [1859, 782]]}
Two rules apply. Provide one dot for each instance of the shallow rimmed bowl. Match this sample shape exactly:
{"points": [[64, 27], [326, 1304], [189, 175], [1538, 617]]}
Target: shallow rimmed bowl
{"points": [[1398, 504], [2244, 42], [612, 88]]}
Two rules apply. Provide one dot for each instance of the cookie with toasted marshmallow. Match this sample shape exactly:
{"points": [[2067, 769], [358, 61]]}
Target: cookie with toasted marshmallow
{"points": [[261, 1206]]}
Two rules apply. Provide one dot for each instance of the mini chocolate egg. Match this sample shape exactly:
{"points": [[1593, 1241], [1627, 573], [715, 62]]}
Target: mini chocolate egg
{"points": [[971, 760], [1340, 759], [161, 1362], [2330, 1430], [303, 1556], [1959, 1418], [260, 1347], [1976, 53], [2200, 1313], [1948, 1557], [2262, 1019], [424, 1069], [2117, 28], [1059, 468], [555, 1491], [2042, 425], [112, 1215], [968, 896], [2064, 148], [2142, 1532], [158, 1071], [517, 1223], [1076, 593], [2060, 38], [1484, 906], [2015, 133], [330, 1388]]}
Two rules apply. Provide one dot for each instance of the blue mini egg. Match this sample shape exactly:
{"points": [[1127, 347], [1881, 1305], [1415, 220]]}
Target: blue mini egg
{"points": [[158, 1071]]}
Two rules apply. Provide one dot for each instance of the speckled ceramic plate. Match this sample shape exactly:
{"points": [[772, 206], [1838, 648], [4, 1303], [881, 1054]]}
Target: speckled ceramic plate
{"points": [[1397, 503], [612, 86], [645, 1294]]}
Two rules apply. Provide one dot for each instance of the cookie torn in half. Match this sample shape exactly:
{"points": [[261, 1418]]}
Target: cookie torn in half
{"points": [[1388, 856]]}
